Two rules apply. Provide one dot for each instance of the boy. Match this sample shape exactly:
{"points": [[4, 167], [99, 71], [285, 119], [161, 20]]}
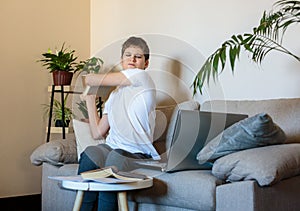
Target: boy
{"points": [[127, 123]]}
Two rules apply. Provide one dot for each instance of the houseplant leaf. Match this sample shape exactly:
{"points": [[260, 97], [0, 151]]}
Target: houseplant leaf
{"points": [[263, 39]]}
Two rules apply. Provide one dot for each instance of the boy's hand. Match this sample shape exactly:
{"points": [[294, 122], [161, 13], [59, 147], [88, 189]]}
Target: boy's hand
{"points": [[88, 78], [89, 98]]}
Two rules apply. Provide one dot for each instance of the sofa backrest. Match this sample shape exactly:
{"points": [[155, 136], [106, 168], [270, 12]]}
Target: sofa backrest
{"points": [[284, 112]]}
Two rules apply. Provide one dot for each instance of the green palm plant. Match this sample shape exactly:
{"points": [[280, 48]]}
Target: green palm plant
{"points": [[268, 36]]}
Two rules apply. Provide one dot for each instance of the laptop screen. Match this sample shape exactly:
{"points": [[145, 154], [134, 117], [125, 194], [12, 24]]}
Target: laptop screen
{"points": [[194, 129]]}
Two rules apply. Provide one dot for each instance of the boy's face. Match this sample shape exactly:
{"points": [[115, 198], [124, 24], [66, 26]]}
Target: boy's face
{"points": [[133, 57]]}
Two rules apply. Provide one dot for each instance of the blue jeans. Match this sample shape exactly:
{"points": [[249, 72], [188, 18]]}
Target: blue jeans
{"points": [[99, 156]]}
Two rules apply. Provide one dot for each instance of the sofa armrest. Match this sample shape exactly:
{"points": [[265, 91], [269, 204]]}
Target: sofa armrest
{"points": [[56, 152], [235, 196], [249, 196], [53, 196]]}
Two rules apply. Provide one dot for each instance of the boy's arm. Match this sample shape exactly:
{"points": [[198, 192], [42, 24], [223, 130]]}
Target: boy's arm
{"points": [[99, 126], [108, 79]]}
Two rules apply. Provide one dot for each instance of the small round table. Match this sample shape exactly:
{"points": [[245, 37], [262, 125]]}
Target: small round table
{"points": [[96, 186]]}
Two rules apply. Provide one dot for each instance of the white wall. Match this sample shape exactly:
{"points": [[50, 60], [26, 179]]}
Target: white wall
{"points": [[29, 28], [198, 27]]}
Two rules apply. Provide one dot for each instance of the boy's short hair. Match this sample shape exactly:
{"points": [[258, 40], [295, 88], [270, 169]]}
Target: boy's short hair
{"points": [[139, 42]]}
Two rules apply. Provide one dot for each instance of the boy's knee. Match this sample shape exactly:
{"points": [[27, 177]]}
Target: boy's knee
{"points": [[94, 154], [119, 159]]}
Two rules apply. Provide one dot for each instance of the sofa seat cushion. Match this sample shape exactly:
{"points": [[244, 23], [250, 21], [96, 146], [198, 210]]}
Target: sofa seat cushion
{"points": [[194, 190], [68, 170]]}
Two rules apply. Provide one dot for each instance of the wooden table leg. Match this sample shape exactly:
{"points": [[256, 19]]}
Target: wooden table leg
{"points": [[122, 201], [78, 200]]}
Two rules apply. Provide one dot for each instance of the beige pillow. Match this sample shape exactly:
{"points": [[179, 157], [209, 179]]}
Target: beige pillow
{"points": [[187, 105], [163, 116], [83, 136]]}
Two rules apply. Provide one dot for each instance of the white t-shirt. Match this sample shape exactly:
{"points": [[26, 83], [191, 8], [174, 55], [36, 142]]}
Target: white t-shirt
{"points": [[131, 114]]}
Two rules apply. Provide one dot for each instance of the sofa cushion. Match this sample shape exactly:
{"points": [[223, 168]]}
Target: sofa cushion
{"points": [[267, 165], [256, 131], [56, 152], [83, 136], [166, 116], [195, 190], [162, 119], [187, 105]]}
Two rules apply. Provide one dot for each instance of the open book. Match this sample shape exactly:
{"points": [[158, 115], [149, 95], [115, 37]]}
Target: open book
{"points": [[111, 171], [100, 91], [108, 175]]}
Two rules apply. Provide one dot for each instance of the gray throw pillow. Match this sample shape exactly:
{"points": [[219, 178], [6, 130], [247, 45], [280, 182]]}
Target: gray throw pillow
{"points": [[267, 165], [255, 131], [56, 152]]}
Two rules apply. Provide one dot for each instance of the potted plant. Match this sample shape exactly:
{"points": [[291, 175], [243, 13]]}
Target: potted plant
{"points": [[62, 64], [91, 65], [264, 38], [82, 107], [57, 113]]}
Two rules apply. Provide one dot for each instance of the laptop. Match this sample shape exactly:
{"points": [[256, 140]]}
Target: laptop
{"points": [[193, 130]]}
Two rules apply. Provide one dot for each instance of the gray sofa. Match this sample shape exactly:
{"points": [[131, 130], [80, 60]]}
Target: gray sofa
{"points": [[201, 189]]}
